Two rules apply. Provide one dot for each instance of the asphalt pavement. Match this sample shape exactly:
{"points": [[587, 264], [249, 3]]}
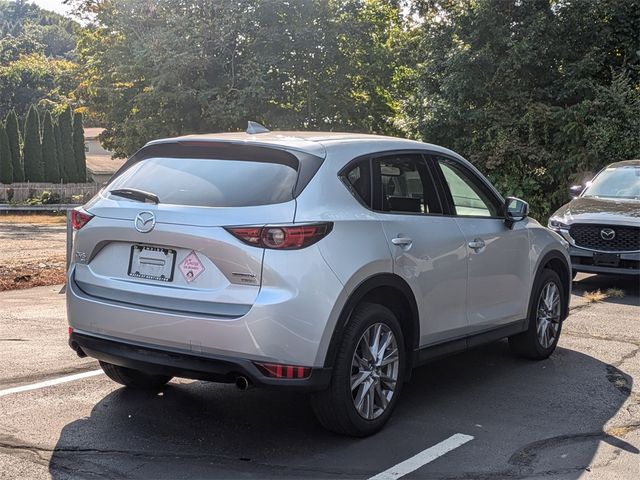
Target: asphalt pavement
{"points": [[575, 415]]}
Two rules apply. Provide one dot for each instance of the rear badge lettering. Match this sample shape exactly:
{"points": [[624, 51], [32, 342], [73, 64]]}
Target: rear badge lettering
{"points": [[191, 267]]}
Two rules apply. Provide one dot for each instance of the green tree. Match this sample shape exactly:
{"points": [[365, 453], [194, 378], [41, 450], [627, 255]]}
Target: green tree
{"points": [[35, 80], [533, 92], [67, 159], [58, 140], [316, 64], [49, 150], [37, 53], [32, 148], [13, 132], [78, 147], [6, 166]]}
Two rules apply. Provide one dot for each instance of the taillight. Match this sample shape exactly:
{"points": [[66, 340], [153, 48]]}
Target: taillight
{"points": [[275, 370], [79, 218], [282, 237]]}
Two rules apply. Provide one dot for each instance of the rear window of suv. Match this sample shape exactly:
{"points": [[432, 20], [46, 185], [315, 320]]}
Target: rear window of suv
{"points": [[210, 182]]}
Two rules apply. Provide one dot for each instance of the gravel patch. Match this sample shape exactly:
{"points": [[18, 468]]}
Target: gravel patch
{"points": [[31, 255]]}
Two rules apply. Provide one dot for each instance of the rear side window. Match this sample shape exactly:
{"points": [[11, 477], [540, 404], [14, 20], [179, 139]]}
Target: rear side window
{"points": [[359, 180], [210, 182], [404, 185]]}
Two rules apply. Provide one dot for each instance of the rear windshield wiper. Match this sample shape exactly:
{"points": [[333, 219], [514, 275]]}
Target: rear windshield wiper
{"points": [[135, 194]]}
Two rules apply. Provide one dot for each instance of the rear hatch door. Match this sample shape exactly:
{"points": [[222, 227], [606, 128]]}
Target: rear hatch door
{"points": [[176, 255]]}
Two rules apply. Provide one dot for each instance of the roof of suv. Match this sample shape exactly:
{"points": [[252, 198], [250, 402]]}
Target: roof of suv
{"points": [[315, 143]]}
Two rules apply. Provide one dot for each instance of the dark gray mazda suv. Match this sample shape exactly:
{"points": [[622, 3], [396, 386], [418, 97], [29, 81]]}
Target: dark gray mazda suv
{"points": [[602, 224]]}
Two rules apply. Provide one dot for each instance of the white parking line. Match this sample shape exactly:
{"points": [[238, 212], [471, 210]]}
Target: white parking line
{"points": [[424, 457], [50, 383]]}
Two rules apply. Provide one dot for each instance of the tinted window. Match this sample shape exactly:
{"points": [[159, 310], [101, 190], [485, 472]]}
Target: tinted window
{"points": [[469, 196], [404, 185], [210, 182], [359, 179]]}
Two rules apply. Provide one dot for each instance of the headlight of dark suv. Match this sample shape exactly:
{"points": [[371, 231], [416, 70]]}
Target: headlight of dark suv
{"points": [[557, 225]]}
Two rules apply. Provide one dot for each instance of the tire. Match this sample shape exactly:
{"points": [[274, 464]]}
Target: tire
{"points": [[133, 378], [335, 407], [530, 344]]}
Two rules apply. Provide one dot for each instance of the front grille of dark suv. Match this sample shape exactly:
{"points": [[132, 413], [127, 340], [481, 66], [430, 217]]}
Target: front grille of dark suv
{"points": [[625, 239]]}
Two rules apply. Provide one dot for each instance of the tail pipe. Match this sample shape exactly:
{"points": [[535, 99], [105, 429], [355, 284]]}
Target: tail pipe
{"points": [[243, 383], [76, 348]]}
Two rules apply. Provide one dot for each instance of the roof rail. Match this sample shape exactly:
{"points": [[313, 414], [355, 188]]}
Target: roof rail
{"points": [[255, 127]]}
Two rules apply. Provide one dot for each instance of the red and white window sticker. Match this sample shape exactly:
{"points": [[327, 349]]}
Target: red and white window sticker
{"points": [[191, 267]]}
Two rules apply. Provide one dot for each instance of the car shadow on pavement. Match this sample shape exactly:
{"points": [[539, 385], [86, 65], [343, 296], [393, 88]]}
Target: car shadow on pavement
{"points": [[528, 419], [628, 284]]}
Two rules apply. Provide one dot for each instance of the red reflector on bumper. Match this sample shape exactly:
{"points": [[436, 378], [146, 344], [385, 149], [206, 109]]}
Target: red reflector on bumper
{"points": [[70, 330], [275, 370]]}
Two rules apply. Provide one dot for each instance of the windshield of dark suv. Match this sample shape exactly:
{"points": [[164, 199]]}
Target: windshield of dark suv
{"points": [[206, 182], [616, 182]]}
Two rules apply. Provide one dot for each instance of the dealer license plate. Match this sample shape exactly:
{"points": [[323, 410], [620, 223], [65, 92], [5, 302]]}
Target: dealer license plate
{"points": [[152, 263]]}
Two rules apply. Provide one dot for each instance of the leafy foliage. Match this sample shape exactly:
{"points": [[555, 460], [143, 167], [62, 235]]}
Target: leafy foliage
{"points": [[49, 151], [13, 134], [35, 79], [32, 152], [6, 165], [59, 154], [537, 94], [37, 49], [67, 158], [79, 154], [169, 67]]}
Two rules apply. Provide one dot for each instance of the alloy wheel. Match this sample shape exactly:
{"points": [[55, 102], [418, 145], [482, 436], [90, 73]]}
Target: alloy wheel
{"points": [[374, 371], [548, 317]]}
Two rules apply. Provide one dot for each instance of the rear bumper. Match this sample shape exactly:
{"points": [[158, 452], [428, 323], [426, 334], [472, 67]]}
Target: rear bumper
{"points": [[181, 364], [582, 261], [289, 323]]}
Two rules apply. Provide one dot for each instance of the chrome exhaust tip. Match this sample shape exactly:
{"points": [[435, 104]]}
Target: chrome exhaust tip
{"points": [[242, 383]]}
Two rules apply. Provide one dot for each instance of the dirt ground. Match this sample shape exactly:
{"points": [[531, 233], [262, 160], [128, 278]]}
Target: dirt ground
{"points": [[32, 252]]}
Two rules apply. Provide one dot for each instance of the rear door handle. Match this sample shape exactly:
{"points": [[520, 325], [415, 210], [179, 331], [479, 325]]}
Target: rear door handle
{"points": [[401, 241], [476, 244]]}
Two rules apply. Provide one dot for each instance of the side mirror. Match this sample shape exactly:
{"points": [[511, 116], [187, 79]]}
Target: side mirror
{"points": [[516, 210], [576, 190]]}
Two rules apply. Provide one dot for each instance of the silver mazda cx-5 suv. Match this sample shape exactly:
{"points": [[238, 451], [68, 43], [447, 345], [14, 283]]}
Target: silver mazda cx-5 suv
{"points": [[325, 262]]}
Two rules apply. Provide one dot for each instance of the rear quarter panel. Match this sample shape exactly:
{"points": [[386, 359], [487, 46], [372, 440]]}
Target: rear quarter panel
{"points": [[356, 249]]}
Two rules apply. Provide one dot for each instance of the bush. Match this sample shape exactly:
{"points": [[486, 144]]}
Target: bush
{"points": [[32, 149], [6, 164], [45, 198]]}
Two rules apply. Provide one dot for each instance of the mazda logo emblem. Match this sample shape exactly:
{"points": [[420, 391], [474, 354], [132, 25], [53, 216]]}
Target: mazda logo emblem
{"points": [[144, 222], [608, 233]]}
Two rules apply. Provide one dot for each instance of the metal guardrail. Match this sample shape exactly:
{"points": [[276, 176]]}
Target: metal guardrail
{"points": [[54, 207]]}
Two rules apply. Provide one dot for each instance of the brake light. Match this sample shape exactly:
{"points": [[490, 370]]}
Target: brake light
{"points": [[282, 237], [79, 218], [275, 370]]}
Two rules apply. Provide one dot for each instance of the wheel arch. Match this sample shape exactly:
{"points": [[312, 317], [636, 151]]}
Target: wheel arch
{"points": [[556, 261], [392, 292]]}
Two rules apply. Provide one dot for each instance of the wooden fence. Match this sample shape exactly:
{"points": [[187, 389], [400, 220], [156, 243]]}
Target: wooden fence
{"points": [[59, 192]]}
